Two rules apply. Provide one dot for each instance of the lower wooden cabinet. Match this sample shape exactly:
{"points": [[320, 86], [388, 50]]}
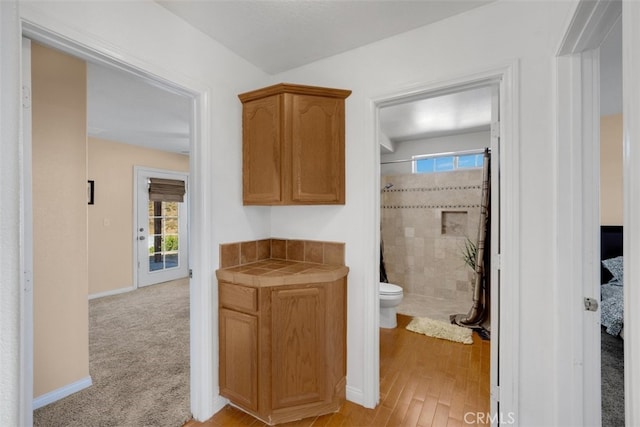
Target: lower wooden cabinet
{"points": [[238, 355], [283, 354]]}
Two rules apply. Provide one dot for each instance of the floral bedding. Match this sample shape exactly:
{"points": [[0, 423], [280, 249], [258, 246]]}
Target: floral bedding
{"points": [[611, 297]]}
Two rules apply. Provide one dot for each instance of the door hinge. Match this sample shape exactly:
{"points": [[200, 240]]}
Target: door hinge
{"points": [[590, 304], [495, 129], [495, 393], [28, 281], [190, 274], [497, 261], [26, 97]]}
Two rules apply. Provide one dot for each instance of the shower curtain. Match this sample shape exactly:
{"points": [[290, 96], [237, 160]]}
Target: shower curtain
{"points": [[478, 309], [383, 270]]}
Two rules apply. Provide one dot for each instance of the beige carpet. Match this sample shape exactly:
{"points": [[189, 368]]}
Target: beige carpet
{"points": [[439, 329], [139, 363]]}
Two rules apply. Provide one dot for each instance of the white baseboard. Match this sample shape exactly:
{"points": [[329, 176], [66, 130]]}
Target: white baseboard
{"points": [[355, 395], [219, 402], [67, 390], [112, 292]]}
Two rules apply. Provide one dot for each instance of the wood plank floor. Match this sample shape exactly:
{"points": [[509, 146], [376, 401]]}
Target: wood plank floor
{"points": [[424, 381]]}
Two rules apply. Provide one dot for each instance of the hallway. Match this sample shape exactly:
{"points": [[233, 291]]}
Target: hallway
{"points": [[424, 381]]}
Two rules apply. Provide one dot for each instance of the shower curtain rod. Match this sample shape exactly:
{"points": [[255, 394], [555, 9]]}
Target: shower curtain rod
{"points": [[456, 153], [397, 161]]}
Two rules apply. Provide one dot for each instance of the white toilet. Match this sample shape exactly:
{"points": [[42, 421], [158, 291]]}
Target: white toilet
{"points": [[390, 297]]}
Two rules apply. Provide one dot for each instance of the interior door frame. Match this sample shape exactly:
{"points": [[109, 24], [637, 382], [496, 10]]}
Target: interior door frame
{"points": [[505, 356], [26, 329], [160, 173], [204, 396], [631, 158], [578, 371]]}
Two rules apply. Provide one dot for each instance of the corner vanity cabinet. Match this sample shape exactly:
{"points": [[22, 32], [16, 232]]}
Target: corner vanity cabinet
{"points": [[293, 145], [283, 341]]}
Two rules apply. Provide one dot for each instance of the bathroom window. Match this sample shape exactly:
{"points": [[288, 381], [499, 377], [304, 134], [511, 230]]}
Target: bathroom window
{"points": [[447, 162]]}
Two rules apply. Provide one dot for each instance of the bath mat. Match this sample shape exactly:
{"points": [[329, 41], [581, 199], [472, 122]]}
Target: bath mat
{"points": [[439, 329]]}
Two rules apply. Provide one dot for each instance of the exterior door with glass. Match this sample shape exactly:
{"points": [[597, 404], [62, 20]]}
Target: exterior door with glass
{"points": [[161, 230]]}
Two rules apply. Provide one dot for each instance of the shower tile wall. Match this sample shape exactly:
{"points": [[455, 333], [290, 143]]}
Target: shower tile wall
{"points": [[425, 221]]}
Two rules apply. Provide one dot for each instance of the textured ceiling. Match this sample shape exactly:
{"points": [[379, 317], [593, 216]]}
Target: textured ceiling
{"points": [[458, 112], [273, 35], [278, 35], [124, 108]]}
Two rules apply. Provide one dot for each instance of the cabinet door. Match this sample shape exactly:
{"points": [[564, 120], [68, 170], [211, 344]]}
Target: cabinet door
{"points": [[239, 358], [317, 149], [262, 151], [298, 346]]}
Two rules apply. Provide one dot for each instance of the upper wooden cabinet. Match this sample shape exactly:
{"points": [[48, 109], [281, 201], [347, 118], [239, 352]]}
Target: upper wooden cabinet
{"points": [[293, 145]]}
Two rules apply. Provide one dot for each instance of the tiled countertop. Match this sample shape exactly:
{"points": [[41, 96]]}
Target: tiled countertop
{"points": [[278, 272]]}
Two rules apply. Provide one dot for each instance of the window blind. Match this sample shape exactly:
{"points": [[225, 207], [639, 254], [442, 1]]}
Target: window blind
{"points": [[166, 190]]}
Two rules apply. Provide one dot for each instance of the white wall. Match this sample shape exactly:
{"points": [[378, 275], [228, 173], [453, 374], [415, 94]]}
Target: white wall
{"points": [[150, 38], [443, 144], [10, 174], [499, 33], [631, 150], [611, 72], [178, 52]]}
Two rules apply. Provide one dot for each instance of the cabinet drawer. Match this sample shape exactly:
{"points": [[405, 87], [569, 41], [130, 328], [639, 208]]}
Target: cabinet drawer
{"points": [[242, 298]]}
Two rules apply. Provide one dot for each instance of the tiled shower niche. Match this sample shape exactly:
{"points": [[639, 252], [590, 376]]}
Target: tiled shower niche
{"points": [[454, 223]]}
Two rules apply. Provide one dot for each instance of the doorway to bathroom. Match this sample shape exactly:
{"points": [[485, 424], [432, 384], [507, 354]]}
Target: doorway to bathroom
{"points": [[433, 222]]}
